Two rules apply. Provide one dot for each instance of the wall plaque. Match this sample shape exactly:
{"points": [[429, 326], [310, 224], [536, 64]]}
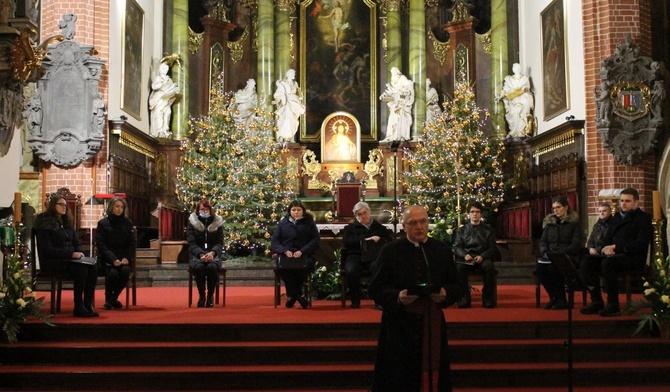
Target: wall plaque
{"points": [[66, 115]]}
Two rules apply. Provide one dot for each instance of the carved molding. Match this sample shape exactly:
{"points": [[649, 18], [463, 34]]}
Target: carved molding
{"points": [[440, 49], [237, 47], [485, 41], [195, 40]]}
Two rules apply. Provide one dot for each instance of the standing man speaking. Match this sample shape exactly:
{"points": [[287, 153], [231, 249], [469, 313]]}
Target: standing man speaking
{"points": [[415, 279]]}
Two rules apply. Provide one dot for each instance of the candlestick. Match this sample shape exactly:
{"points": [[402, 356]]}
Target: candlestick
{"points": [[657, 204], [17, 207]]}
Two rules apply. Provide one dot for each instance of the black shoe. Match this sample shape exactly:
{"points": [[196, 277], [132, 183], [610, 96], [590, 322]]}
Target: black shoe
{"points": [[290, 302], [117, 304], [210, 302], [83, 312], [489, 304], [464, 304], [560, 304], [379, 307], [610, 310], [107, 306], [355, 303], [550, 304], [304, 303], [201, 302], [592, 308], [89, 308]]}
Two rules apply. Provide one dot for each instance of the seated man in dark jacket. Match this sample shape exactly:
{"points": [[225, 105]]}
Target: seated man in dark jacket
{"points": [[626, 246], [364, 228], [475, 246]]}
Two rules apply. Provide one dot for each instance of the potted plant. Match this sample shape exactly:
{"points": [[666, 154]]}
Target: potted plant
{"points": [[656, 300], [17, 301]]}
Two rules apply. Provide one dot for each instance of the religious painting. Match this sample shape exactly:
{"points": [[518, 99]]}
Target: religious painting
{"points": [[131, 61], [554, 60], [338, 46], [340, 139]]}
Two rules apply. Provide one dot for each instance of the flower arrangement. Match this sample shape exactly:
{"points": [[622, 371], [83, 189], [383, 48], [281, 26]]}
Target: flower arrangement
{"points": [[326, 281], [443, 230], [17, 301], [656, 299]]}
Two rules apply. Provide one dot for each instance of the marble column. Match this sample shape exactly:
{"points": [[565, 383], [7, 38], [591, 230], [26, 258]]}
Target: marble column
{"points": [[282, 29], [417, 63], [265, 79], [179, 122], [393, 36], [499, 63]]}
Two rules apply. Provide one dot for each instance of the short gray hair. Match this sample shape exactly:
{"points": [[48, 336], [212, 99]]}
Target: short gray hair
{"points": [[360, 205]]}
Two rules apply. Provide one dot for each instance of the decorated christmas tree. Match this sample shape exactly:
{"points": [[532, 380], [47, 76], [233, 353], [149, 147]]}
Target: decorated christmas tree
{"points": [[239, 169], [455, 163]]}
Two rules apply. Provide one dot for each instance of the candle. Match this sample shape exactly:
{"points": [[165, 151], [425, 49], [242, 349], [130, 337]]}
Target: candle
{"points": [[17, 207], [657, 205]]}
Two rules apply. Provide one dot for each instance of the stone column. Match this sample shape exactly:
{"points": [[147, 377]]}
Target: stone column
{"points": [[179, 123], [499, 63], [282, 33], [417, 62], [266, 49], [393, 38]]}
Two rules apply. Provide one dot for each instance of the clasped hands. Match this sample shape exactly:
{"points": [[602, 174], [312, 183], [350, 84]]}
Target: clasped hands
{"points": [[209, 256], [477, 259], [407, 299], [118, 263], [295, 254]]}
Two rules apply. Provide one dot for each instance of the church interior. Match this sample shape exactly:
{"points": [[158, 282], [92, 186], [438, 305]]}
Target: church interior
{"points": [[253, 103]]}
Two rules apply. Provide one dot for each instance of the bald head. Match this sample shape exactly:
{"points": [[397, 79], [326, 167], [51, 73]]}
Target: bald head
{"points": [[415, 223]]}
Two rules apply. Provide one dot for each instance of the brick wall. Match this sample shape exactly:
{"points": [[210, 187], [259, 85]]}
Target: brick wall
{"points": [[91, 28], [606, 24]]}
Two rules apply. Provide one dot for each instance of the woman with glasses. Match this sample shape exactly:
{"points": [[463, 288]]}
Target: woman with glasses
{"points": [[57, 245], [562, 233], [116, 244], [204, 234]]}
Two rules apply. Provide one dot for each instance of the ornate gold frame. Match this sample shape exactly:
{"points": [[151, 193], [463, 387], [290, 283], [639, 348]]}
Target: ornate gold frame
{"points": [[374, 104]]}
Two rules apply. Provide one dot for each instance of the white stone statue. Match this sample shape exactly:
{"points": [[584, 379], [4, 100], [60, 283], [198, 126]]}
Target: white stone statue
{"points": [[399, 97], [246, 101], [432, 102], [287, 97], [519, 102], [164, 93]]}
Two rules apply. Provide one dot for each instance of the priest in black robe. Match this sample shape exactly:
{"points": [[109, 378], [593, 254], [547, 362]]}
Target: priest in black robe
{"points": [[415, 280]]}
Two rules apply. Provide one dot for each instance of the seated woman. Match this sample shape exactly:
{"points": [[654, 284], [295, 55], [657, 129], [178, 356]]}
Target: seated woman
{"points": [[204, 234], [57, 244], [364, 228], [116, 244], [561, 233], [296, 235]]}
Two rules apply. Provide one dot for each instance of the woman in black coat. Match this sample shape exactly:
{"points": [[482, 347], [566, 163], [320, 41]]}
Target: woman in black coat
{"points": [[116, 243], [561, 233], [57, 244], [204, 234], [296, 235]]}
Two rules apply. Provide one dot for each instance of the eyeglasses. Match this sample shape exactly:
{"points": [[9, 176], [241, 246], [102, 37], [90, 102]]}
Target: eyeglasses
{"points": [[62, 204]]}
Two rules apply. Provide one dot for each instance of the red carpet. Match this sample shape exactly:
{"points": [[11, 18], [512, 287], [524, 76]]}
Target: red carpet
{"points": [[254, 305]]}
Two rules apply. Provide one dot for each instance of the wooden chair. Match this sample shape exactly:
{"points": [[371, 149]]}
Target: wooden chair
{"points": [[476, 275], [365, 274], [53, 279], [552, 257], [277, 284], [222, 272]]}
